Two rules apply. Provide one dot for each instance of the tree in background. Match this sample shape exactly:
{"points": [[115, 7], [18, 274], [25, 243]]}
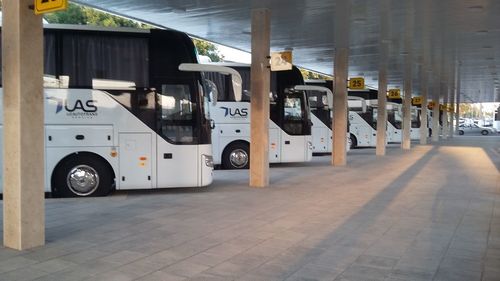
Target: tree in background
{"points": [[208, 49], [77, 14], [310, 75]]}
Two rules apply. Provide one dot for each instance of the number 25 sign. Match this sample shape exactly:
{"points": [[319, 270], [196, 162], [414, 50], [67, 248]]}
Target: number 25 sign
{"points": [[356, 83]]}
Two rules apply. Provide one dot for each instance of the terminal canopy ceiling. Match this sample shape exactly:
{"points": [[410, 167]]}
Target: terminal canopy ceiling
{"points": [[439, 36]]}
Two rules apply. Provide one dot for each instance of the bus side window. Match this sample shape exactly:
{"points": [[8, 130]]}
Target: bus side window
{"points": [[176, 120]]}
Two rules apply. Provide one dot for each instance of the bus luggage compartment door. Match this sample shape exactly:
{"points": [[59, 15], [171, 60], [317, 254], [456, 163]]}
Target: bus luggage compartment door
{"points": [[135, 161]]}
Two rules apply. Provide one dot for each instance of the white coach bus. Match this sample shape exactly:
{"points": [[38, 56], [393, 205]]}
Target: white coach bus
{"points": [[289, 125], [119, 114], [321, 102]]}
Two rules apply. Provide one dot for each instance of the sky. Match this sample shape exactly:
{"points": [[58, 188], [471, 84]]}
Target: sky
{"points": [[234, 55]]}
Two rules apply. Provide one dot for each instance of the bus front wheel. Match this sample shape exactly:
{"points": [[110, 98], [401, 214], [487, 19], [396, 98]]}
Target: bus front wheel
{"points": [[82, 175], [354, 141], [236, 156]]}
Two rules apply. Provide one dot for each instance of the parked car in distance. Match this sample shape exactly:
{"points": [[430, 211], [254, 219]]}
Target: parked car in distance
{"points": [[474, 129]]}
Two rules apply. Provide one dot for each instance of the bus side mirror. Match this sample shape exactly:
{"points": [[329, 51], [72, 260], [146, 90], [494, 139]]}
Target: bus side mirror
{"points": [[237, 82], [329, 93]]}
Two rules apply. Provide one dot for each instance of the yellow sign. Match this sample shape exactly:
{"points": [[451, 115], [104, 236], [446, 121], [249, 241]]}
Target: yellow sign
{"points": [[416, 101], [394, 94], [357, 83], [48, 6], [281, 61], [431, 105]]}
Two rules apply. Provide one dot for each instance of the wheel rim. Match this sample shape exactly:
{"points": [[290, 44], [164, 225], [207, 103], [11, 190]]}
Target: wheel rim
{"points": [[83, 180], [238, 158]]}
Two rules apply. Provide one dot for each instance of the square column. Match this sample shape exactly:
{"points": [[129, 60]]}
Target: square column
{"points": [[260, 88], [406, 138], [435, 120], [382, 78], [23, 109], [457, 112], [424, 130], [341, 67], [445, 90]]}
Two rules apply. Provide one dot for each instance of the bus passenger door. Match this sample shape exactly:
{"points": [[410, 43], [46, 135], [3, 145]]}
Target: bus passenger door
{"points": [[177, 164], [135, 161], [177, 144]]}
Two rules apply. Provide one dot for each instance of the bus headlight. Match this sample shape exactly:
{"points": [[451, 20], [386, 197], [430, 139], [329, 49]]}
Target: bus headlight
{"points": [[310, 145], [209, 160]]}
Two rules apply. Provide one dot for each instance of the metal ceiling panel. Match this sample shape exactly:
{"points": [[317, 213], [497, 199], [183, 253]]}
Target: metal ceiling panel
{"points": [[444, 34]]}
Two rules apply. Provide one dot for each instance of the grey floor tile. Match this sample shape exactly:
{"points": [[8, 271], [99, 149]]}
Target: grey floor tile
{"points": [[361, 272], [376, 261]]}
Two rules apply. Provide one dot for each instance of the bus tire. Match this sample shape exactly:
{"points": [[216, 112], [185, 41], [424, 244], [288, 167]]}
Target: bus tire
{"points": [[236, 156], [484, 132], [460, 132], [354, 141], [82, 175]]}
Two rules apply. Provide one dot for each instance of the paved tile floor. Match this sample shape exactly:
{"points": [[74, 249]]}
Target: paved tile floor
{"points": [[429, 214]]}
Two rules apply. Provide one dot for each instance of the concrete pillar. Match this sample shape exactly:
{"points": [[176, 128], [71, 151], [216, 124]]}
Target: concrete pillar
{"points": [[457, 112], [424, 131], [445, 90], [425, 8], [407, 83], [341, 65], [435, 110], [435, 121], [382, 77], [452, 99], [406, 124], [451, 128], [23, 104], [260, 87]]}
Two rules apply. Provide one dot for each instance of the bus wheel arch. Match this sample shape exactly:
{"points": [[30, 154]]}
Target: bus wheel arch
{"points": [[236, 155], [82, 174], [354, 141]]}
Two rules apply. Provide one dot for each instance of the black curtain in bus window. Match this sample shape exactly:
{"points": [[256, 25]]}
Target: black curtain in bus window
{"points": [[220, 82], [415, 118], [85, 57], [176, 120], [393, 117], [49, 50], [293, 115]]}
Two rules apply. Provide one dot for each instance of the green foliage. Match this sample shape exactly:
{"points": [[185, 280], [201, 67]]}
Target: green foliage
{"points": [[208, 49], [307, 74], [76, 14]]}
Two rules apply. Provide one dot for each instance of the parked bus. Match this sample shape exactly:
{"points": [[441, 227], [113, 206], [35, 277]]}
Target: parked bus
{"points": [[289, 125], [395, 121], [321, 102], [363, 121], [119, 114], [496, 122]]}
